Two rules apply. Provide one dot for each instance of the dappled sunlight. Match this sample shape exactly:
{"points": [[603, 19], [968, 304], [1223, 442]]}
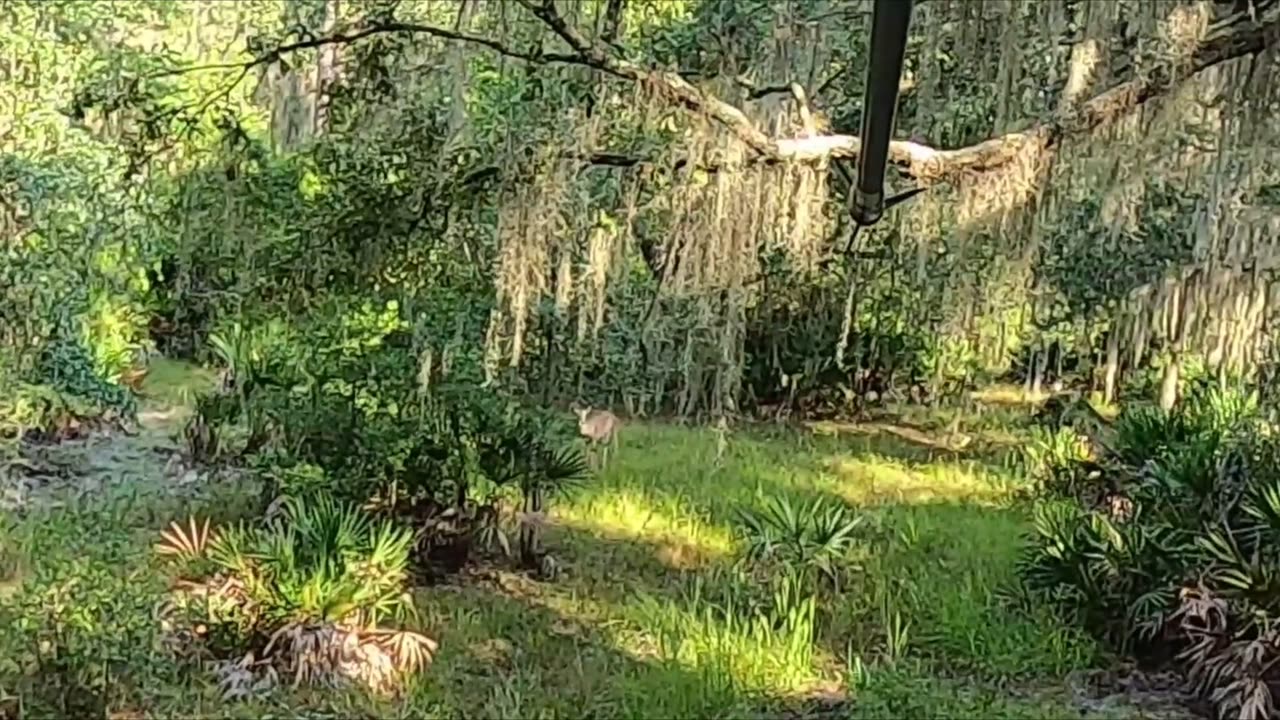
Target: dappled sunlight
{"points": [[700, 641], [1008, 394], [681, 538], [160, 417], [400, 245], [872, 480], [635, 538], [598, 653]]}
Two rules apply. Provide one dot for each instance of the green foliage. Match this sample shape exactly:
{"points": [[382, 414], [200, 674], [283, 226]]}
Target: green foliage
{"points": [[809, 537], [349, 402], [69, 369], [1184, 548], [740, 617], [80, 636], [82, 639], [1056, 460], [319, 561]]}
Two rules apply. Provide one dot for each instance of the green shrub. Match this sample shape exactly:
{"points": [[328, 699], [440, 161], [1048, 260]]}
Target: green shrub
{"points": [[1183, 558], [69, 367], [80, 636], [63, 389], [319, 561], [306, 594], [811, 538], [1056, 460]]}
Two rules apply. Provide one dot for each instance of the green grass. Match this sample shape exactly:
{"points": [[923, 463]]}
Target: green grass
{"points": [[173, 385], [618, 636], [626, 632]]}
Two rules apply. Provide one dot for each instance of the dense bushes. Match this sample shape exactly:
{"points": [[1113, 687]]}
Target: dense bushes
{"points": [[1167, 543], [68, 294], [61, 395], [80, 635], [381, 459], [358, 408]]}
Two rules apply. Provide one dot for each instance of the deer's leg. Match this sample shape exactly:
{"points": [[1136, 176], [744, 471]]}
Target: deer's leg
{"points": [[612, 444]]}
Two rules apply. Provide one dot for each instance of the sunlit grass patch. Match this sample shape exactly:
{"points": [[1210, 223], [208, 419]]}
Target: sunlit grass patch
{"points": [[943, 542], [1007, 394], [872, 480], [682, 537]]}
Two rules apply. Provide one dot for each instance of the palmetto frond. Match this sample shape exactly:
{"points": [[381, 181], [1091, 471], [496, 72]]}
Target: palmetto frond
{"points": [[817, 533], [185, 543], [560, 468], [330, 655]]}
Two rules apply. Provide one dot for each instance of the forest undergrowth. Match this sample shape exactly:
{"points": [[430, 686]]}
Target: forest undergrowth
{"points": [[653, 613]]}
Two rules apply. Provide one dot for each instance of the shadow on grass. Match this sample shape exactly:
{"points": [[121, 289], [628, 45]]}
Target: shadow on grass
{"points": [[620, 636], [513, 649], [624, 634]]}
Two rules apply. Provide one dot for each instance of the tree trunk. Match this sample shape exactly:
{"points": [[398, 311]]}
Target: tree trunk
{"points": [[1031, 372], [1037, 376], [530, 545], [326, 70], [1057, 363]]}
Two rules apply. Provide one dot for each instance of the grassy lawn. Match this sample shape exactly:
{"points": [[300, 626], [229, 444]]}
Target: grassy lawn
{"points": [[648, 548]]}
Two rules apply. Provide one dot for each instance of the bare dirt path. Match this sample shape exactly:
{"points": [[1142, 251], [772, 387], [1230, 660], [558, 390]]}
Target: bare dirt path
{"points": [[145, 460]]}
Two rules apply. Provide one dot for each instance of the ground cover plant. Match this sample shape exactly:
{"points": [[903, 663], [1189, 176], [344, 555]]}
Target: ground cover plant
{"points": [[794, 569]]}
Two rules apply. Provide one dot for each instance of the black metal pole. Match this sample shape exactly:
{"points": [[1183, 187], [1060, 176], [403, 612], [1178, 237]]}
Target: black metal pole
{"points": [[889, 22]]}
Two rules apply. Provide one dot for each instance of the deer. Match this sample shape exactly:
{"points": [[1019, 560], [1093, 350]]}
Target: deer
{"points": [[599, 428]]}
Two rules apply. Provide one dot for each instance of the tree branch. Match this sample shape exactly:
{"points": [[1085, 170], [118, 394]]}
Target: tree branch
{"points": [[676, 87], [1233, 37], [379, 29]]}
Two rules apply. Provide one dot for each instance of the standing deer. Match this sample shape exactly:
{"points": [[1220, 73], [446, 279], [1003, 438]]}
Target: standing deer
{"points": [[600, 428]]}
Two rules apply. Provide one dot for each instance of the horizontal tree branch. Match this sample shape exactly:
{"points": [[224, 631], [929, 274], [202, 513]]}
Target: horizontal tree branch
{"points": [[1233, 37], [679, 89], [379, 29]]}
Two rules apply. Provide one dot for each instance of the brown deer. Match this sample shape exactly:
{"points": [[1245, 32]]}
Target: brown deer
{"points": [[600, 428]]}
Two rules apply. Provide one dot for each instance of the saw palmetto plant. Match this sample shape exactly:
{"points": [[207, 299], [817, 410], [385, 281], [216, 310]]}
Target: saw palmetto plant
{"points": [[814, 536], [320, 560], [318, 580], [1194, 569], [185, 543]]}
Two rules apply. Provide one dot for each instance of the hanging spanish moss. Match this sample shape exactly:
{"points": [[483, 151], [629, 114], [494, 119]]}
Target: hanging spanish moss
{"points": [[698, 230]]}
